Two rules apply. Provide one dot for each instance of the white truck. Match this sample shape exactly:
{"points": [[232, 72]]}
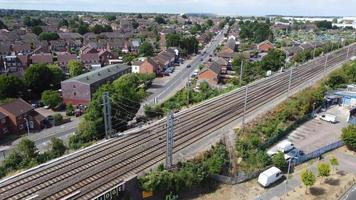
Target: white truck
{"points": [[269, 176], [285, 146], [328, 118]]}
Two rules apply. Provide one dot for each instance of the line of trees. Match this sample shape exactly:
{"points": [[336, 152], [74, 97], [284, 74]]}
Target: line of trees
{"points": [[256, 31], [37, 79], [186, 44], [26, 155]]}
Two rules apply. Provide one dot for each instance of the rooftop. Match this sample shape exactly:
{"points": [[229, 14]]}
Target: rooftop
{"points": [[99, 74], [17, 107]]}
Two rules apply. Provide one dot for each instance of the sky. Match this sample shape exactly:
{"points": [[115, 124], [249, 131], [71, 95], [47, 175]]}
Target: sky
{"points": [[221, 7]]}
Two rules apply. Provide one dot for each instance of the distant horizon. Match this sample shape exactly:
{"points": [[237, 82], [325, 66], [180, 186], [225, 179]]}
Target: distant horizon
{"points": [[305, 8], [172, 13]]}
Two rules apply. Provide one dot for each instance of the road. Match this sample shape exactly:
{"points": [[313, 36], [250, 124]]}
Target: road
{"points": [[181, 78], [88, 173], [43, 137]]}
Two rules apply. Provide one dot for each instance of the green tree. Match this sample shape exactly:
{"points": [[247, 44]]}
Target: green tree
{"points": [[349, 136], [336, 79], [48, 36], [334, 162], [63, 22], [111, 17], [39, 78], [83, 29], [146, 49], [11, 87], [51, 98], [210, 22], [36, 30], [324, 170], [308, 179], [69, 110], [159, 19], [274, 60], [279, 161], [12, 161], [2, 25], [75, 68], [27, 150], [56, 74], [58, 119], [57, 148]]}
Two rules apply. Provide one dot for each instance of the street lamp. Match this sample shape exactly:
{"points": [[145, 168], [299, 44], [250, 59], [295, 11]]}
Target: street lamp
{"points": [[285, 186]]}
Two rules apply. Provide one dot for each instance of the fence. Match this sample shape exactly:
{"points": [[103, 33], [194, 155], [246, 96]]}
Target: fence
{"points": [[318, 152]]}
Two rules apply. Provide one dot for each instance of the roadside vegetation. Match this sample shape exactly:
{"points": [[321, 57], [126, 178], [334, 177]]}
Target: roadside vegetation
{"points": [[26, 155], [126, 94], [186, 175], [260, 134]]}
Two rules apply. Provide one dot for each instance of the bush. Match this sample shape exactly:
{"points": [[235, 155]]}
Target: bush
{"points": [[69, 110], [187, 174], [349, 136], [51, 98], [57, 148], [58, 119], [279, 161]]}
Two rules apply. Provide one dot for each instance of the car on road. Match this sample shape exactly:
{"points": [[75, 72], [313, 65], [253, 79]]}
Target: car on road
{"points": [[189, 66], [328, 118], [201, 59], [271, 175]]}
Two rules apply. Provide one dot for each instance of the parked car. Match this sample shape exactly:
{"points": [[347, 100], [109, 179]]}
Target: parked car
{"points": [[271, 175], [285, 146], [328, 118], [188, 66]]}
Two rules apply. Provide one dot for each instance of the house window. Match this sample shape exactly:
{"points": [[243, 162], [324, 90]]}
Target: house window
{"points": [[3, 121], [75, 94], [74, 86], [21, 126], [4, 130]]}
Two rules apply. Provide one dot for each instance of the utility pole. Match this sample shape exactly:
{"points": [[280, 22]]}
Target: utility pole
{"points": [[285, 186], [326, 61], [290, 81], [241, 71], [107, 115], [188, 95], [169, 142], [348, 51], [245, 108]]}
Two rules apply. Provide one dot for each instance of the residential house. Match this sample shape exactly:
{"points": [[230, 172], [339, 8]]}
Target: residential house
{"points": [[105, 56], [231, 44], [18, 111], [293, 50], [149, 66], [3, 124], [79, 89], [210, 74], [58, 45], [15, 63], [20, 47], [223, 64], [64, 58], [5, 49], [90, 60], [265, 46], [165, 58], [43, 58]]}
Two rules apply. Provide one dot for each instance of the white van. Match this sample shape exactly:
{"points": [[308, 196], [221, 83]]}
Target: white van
{"points": [[328, 118], [285, 146], [269, 176]]}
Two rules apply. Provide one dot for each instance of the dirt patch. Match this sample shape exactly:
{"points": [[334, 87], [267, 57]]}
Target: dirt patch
{"points": [[332, 188]]}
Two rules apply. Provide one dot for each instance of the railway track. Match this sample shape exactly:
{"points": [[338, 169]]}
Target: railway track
{"points": [[95, 170]]}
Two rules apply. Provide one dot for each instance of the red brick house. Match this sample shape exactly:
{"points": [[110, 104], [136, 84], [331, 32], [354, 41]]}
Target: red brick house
{"points": [[149, 66], [79, 89], [90, 59], [210, 74], [64, 58], [17, 111], [3, 124], [265, 46], [43, 58], [105, 56]]}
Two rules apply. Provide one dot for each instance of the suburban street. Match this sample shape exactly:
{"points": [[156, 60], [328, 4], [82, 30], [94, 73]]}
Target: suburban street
{"points": [[162, 91]]}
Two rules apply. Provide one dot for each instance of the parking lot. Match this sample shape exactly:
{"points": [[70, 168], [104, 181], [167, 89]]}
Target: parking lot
{"points": [[317, 133]]}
